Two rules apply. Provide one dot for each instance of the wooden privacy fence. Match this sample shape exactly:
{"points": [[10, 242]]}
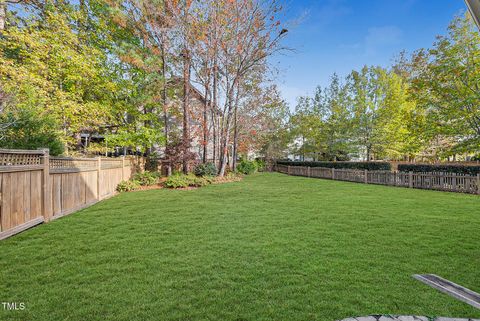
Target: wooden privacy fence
{"points": [[440, 181], [36, 188]]}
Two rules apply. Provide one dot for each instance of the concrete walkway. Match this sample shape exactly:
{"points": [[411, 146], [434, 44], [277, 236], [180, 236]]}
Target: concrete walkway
{"points": [[405, 318]]}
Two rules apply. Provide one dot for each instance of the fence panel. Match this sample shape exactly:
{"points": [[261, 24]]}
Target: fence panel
{"points": [[281, 169], [320, 172], [299, 171], [449, 182], [35, 187], [350, 175], [73, 184], [21, 190], [21, 198], [382, 178], [110, 179]]}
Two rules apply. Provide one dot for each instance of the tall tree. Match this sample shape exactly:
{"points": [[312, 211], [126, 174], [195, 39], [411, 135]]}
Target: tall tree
{"points": [[186, 57], [252, 33], [447, 86], [337, 118], [74, 90], [368, 93]]}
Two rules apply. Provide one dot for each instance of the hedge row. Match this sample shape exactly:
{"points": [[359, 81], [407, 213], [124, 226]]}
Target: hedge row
{"points": [[458, 169], [371, 166]]}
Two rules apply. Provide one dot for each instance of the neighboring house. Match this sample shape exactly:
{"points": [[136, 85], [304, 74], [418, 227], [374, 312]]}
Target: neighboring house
{"points": [[196, 105], [296, 153], [196, 118]]}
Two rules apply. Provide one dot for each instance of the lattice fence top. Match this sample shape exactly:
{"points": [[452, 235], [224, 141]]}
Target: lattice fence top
{"points": [[20, 158], [72, 163], [108, 163]]}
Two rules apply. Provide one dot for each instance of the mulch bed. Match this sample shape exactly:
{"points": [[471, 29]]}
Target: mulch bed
{"points": [[218, 180]]}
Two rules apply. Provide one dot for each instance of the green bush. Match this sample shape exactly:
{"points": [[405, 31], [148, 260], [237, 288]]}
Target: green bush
{"points": [[371, 166], [183, 181], [200, 181], [261, 164], [207, 169], [127, 186], [233, 176], [147, 178], [29, 128], [176, 181], [247, 167], [458, 169]]}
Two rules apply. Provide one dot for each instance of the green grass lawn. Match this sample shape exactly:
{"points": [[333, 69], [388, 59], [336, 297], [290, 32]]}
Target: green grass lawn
{"points": [[272, 247]]}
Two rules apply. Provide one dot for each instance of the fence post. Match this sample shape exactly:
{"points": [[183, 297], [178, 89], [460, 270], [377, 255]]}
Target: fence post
{"points": [[99, 169], [308, 171], [366, 176], [123, 168], [333, 173], [288, 169], [410, 179], [46, 202], [478, 183]]}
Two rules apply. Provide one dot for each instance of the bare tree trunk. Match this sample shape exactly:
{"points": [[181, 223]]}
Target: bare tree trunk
{"points": [[219, 136], [214, 135], [186, 109], [235, 131], [303, 148], [205, 121], [147, 123], [226, 131], [87, 141], [214, 111], [224, 148], [235, 141], [214, 138], [164, 102]]}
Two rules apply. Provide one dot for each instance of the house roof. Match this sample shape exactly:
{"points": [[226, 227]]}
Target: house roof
{"points": [[178, 81]]}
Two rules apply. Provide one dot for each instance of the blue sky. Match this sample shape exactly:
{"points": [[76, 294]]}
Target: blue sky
{"points": [[340, 35]]}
